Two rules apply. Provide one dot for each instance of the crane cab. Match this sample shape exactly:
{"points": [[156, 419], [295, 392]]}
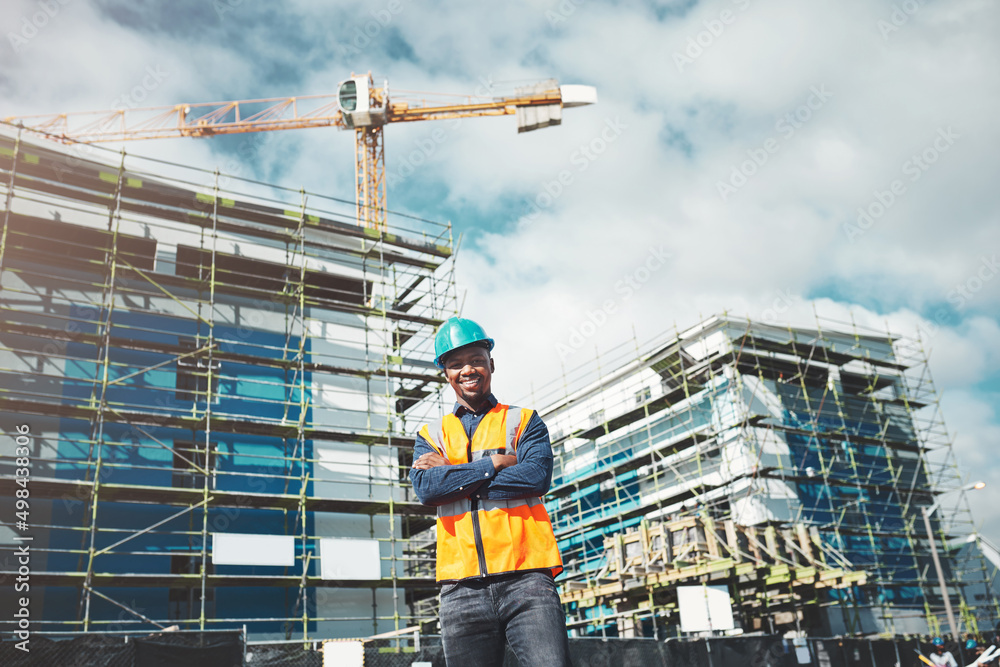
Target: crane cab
{"points": [[354, 97]]}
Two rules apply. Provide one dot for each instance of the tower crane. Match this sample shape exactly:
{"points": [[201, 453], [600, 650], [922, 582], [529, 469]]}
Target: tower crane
{"points": [[359, 105]]}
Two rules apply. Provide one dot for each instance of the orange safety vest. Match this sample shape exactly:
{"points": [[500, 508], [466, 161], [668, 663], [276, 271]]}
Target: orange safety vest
{"points": [[477, 536]]}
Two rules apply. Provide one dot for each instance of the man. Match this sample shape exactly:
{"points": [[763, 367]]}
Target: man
{"points": [[940, 656], [971, 650], [485, 466]]}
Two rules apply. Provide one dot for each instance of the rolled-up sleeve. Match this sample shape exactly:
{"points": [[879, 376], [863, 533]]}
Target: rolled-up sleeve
{"points": [[532, 476], [447, 483]]}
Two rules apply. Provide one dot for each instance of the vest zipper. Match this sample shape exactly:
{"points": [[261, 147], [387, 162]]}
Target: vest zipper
{"points": [[476, 531], [479, 538]]}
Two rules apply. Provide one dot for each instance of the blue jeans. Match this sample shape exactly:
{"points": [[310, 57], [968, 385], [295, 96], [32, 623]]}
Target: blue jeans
{"points": [[477, 615]]}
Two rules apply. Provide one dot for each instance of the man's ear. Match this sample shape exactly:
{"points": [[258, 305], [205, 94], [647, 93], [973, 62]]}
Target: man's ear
{"points": [[493, 366]]}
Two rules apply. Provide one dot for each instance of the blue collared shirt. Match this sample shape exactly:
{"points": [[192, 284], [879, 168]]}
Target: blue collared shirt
{"points": [[530, 478]]}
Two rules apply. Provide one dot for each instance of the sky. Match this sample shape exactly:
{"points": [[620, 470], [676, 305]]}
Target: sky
{"points": [[772, 159]]}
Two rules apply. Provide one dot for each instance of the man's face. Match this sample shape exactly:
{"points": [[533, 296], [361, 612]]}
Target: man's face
{"points": [[469, 371]]}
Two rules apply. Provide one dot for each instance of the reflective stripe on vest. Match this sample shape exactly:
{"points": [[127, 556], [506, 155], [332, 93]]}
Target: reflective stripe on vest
{"points": [[513, 535]]}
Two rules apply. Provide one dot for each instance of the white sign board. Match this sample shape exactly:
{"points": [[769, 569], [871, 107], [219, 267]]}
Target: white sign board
{"points": [[246, 549], [705, 608], [344, 653], [349, 559]]}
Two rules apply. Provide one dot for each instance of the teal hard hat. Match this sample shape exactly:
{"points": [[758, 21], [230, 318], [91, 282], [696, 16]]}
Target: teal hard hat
{"points": [[458, 332]]}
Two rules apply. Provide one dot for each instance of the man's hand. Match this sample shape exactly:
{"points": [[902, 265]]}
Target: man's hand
{"points": [[501, 461], [430, 460], [433, 460]]}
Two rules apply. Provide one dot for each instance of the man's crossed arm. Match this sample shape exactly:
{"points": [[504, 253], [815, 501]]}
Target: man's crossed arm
{"points": [[497, 477]]}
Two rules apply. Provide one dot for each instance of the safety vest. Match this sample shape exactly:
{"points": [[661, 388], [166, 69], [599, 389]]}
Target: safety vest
{"points": [[477, 536]]}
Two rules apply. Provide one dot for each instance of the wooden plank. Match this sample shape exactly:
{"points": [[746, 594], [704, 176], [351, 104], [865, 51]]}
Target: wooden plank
{"points": [[751, 533], [770, 541], [732, 539], [711, 539]]}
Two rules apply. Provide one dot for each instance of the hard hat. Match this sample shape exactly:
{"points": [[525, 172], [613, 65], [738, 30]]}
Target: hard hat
{"points": [[457, 332], [937, 641]]}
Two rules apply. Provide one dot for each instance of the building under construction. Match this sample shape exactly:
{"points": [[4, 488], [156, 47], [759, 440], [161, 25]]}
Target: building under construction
{"points": [[218, 379], [787, 465]]}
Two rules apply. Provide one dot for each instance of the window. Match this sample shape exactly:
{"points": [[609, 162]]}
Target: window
{"points": [[186, 476], [597, 418], [192, 376], [185, 597], [643, 395], [258, 279]]}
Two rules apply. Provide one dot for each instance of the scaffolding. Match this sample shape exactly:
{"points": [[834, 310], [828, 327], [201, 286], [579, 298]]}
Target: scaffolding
{"points": [[834, 428], [194, 354]]}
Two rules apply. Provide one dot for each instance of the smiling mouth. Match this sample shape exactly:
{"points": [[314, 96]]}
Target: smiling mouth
{"points": [[470, 383]]}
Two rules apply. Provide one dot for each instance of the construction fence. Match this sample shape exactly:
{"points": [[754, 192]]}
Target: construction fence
{"points": [[191, 649], [228, 649], [754, 651]]}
